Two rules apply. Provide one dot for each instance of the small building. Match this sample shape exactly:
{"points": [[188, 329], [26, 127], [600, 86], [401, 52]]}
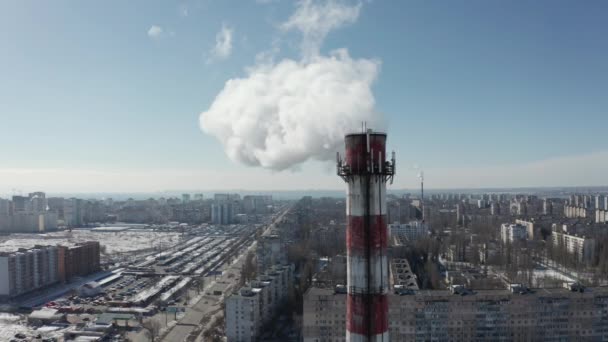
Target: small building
{"points": [[121, 319], [44, 316]]}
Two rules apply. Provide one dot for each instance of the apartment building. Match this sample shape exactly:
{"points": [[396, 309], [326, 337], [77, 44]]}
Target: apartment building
{"points": [[529, 227], [267, 304], [27, 214], [270, 251], [412, 231], [78, 260], [324, 315], [601, 216], [580, 246], [243, 320], [513, 232], [27, 270], [489, 315], [571, 211], [402, 276], [253, 306]]}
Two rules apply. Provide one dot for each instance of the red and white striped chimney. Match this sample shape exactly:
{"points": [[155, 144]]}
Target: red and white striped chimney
{"points": [[366, 171]]}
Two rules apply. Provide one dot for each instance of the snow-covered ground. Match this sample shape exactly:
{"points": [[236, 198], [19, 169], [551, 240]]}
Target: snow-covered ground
{"points": [[122, 241], [11, 324], [8, 330]]}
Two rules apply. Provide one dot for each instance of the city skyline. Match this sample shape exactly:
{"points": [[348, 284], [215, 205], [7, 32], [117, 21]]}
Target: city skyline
{"points": [[509, 98]]}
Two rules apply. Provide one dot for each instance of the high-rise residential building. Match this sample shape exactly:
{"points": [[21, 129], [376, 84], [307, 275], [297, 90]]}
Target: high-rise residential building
{"points": [[412, 231], [38, 203], [267, 303], [5, 218], [583, 248], [571, 211], [26, 270], [586, 201], [518, 208], [513, 232], [185, 198], [529, 228], [460, 214], [256, 204], [243, 321], [73, 212], [222, 213], [547, 207], [225, 207], [270, 251], [78, 260], [5, 207], [20, 203], [31, 222], [495, 209], [253, 306], [601, 216]]}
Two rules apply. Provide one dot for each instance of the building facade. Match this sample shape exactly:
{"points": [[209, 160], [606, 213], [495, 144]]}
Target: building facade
{"points": [[412, 231], [27, 214], [270, 251], [78, 260], [485, 315], [27, 270], [583, 248], [253, 306], [510, 233], [243, 321]]}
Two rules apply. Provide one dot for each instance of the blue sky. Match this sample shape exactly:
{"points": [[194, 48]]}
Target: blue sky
{"points": [[90, 101]]}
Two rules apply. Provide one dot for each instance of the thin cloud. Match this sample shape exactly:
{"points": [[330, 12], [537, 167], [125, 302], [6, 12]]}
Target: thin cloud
{"points": [[184, 11], [223, 44], [155, 32]]}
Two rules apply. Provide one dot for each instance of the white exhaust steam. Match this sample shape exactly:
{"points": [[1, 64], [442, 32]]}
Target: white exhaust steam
{"points": [[282, 114]]}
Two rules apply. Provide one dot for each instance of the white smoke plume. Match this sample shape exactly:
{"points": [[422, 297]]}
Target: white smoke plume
{"points": [[315, 19], [282, 114]]}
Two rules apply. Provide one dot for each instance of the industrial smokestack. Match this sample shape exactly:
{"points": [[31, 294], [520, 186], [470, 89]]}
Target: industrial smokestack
{"points": [[366, 171]]}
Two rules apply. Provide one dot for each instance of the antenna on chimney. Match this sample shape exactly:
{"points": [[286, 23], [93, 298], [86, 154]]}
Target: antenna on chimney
{"points": [[421, 177]]}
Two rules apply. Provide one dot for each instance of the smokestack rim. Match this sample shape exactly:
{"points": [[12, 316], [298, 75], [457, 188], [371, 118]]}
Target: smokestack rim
{"points": [[365, 133]]}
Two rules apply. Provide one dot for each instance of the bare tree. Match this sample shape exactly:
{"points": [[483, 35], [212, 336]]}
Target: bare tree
{"points": [[187, 296], [248, 270], [200, 285], [151, 327]]}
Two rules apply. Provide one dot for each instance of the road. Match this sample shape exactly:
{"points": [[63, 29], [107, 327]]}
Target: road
{"points": [[209, 308], [208, 304]]}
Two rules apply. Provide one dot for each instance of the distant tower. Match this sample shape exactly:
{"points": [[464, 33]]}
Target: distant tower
{"points": [[366, 172]]}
